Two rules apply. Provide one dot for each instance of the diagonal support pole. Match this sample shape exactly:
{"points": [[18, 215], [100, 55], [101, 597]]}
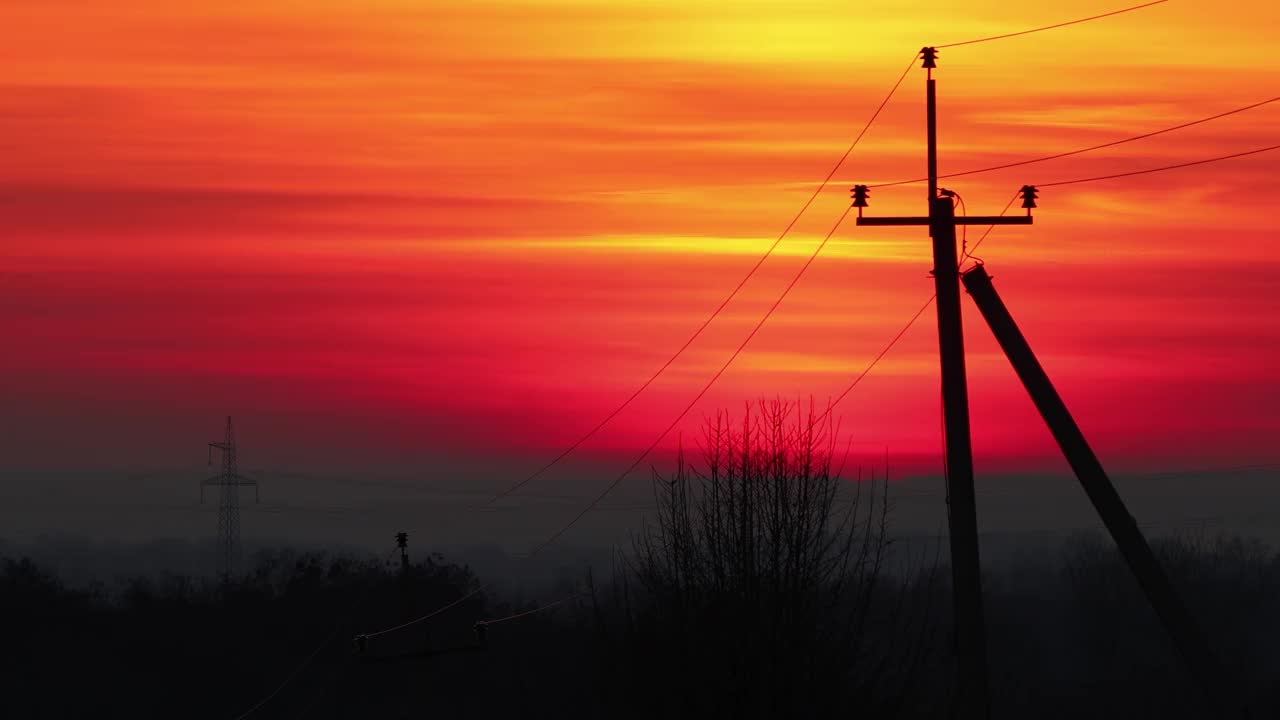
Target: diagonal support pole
{"points": [[1102, 493]]}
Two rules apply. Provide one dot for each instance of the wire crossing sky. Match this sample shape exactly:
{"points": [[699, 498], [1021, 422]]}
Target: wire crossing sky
{"points": [[1177, 166], [1091, 148], [732, 294], [1055, 26]]}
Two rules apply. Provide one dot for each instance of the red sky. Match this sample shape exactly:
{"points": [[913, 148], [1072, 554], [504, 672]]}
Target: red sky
{"points": [[382, 231]]}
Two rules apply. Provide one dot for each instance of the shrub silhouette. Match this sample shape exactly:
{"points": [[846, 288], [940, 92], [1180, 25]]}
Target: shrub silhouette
{"points": [[761, 587]]}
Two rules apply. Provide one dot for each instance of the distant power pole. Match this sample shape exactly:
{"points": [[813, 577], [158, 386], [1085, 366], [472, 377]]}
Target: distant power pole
{"points": [[406, 584], [962, 518], [402, 542], [230, 480]]}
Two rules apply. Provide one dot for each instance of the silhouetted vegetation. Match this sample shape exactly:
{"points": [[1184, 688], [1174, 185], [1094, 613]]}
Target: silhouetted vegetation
{"points": [[1071, 636], [763, 586], [762, 589], [173, 646]]}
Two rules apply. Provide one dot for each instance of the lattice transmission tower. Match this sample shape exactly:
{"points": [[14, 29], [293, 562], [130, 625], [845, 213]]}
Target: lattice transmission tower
{"points": [[230, 481]]}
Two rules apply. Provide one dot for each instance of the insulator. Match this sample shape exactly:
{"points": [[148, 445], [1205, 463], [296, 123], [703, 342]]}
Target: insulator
{"points": [[860, 195], [1029, 195], [930, 56]]}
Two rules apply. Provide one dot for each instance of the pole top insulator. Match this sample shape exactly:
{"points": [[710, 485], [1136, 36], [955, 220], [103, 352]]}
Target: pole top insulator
{"points": [[860, 193], [930, 56], [402, 539], [1029, 195]]}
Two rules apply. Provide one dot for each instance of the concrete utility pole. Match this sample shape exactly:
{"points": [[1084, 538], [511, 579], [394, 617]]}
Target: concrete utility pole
{"points": [[970, 635]]}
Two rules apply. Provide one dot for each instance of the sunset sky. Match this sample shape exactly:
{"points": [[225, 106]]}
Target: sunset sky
{"points": [[390, 231]]}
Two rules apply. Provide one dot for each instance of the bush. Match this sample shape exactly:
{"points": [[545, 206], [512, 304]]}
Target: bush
{"points": [[761, 588]]}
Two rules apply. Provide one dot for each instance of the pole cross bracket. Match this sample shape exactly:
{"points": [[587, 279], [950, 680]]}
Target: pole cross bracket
{"points": [[969, 220]]}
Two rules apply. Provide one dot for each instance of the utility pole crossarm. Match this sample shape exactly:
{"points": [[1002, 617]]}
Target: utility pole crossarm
{"points": [[893, 220], [970, 220], [994, 220]]}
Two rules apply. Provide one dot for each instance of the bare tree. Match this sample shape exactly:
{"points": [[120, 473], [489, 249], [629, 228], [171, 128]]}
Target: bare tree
{"points": [[761, 585]]}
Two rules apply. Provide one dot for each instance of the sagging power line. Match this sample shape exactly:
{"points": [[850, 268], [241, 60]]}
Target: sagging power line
{"points": [[310, 657], [1055, 26], [716, 312], [1081, 151], [1146, 171], [598, 499]]}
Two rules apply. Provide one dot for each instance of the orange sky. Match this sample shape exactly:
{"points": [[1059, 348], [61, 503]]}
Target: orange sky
{"points": [[379, 230]]}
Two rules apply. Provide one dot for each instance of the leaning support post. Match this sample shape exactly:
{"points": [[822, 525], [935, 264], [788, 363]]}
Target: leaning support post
{"points": [[1122, 526]]}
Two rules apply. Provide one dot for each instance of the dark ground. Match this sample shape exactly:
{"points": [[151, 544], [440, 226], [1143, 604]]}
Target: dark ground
{"points": [[1070, 636]]}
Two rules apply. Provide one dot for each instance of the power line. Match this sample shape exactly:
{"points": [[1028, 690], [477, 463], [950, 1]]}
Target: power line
{"points": [[1206, 471], [912, 321], [715, 313], [297, 670], [992, 227], [459, 601], [1051, 27], [1255, 151], [876, 360], [431, 614], [894, 341], [289, 678], [1113, 143], [335, 677], [964, 237], [595, 502], [700, 394], [518, 615], [856, 381]]}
